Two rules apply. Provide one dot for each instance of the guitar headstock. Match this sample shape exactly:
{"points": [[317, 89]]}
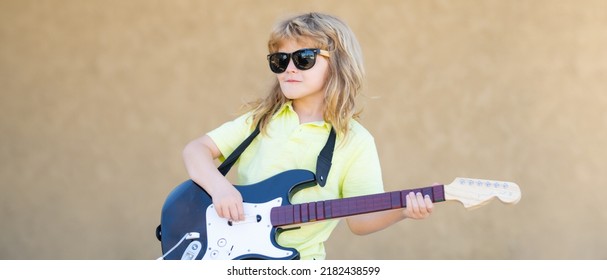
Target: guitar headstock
{"points": [[477, 192]]}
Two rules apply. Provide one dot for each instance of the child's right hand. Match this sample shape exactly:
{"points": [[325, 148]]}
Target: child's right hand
{"points": [[228, 202], [198, 156]]}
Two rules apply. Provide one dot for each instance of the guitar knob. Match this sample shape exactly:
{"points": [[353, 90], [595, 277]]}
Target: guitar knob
{"points": [[214, 254], [222, 242]]}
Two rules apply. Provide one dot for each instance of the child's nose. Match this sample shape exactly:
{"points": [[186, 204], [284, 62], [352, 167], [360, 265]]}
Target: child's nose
{"points": [[291, 66]]}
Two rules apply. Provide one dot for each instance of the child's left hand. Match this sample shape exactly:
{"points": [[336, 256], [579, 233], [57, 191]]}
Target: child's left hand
{"points": [[418, 207]]}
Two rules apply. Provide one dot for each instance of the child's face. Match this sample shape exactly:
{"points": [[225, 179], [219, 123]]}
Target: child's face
{"points": [[303, 84]]}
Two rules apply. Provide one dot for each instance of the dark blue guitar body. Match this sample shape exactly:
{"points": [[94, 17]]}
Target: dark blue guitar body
{"points": [[188, 206]]}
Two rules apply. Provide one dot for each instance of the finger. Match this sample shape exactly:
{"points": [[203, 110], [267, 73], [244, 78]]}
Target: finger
{"points": [[408, 204], [414, 207], [429, 204], [233, 213], [421, 204], [220, 211], [237, 208], [238, 211]]}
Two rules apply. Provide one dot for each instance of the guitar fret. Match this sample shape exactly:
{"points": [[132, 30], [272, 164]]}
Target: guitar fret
{"points": [[312, 210], [349, 204], [274, 215], [438, 193], [338, 207], [328, 210], [383, 202], [428, 192], [297, 214], [288, 213], [403, 197], [320, 213], [278, 215], [357, 205], [396, 202], [304, 214]]}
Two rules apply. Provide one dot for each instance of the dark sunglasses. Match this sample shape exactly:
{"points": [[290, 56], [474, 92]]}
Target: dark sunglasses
{"points": [[303, 59]]}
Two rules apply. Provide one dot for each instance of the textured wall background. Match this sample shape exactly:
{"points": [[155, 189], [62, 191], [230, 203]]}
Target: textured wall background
{"points": [[98, 98]]}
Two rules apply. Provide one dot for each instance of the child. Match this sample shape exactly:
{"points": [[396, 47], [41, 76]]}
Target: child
{"points": [[319, 72]]}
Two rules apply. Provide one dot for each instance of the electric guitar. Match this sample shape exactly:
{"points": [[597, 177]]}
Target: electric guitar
{"points": [[191, 229]]}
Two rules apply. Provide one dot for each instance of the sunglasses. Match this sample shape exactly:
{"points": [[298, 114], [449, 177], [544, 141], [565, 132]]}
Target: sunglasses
{"points": [[303, 59]]}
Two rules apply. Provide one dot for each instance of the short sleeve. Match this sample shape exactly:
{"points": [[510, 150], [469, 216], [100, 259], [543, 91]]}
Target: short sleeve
{"points": [[229, 135]]}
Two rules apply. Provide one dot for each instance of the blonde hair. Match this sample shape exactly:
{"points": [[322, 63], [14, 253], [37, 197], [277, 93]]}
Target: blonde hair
{"points": [[346, 72]]}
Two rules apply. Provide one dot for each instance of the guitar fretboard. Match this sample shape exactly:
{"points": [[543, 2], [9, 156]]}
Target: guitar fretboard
{"points": [[339, 208]]}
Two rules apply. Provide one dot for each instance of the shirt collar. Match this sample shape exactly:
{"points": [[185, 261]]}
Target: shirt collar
{"points": [[288, 108]]}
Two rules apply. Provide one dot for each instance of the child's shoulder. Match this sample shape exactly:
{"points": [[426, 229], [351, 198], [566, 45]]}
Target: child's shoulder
{"points": [[358, 133]]}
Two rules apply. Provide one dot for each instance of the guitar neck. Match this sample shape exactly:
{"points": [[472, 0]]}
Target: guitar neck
{"points": [[340, 208]]}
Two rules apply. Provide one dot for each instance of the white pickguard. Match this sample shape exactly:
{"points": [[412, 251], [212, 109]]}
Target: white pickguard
{"points": [[229, 240]]}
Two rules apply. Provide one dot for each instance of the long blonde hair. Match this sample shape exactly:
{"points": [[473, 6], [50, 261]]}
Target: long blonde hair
{"points": [[346, 72]]}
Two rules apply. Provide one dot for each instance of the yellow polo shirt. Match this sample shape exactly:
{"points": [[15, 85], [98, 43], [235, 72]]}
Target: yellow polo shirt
{"points": [[290, 145]]}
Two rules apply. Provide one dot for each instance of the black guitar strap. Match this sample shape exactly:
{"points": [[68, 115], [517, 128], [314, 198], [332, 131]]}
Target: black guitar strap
{"points": [[225, 166], [323, 162]]}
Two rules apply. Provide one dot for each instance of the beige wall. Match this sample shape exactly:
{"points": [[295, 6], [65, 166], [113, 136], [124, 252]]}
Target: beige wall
{"points": [[97, 99]]}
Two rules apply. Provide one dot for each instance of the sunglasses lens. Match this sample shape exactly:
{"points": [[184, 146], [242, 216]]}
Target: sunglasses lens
{"points": [[304, 59], [278, 62]]}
